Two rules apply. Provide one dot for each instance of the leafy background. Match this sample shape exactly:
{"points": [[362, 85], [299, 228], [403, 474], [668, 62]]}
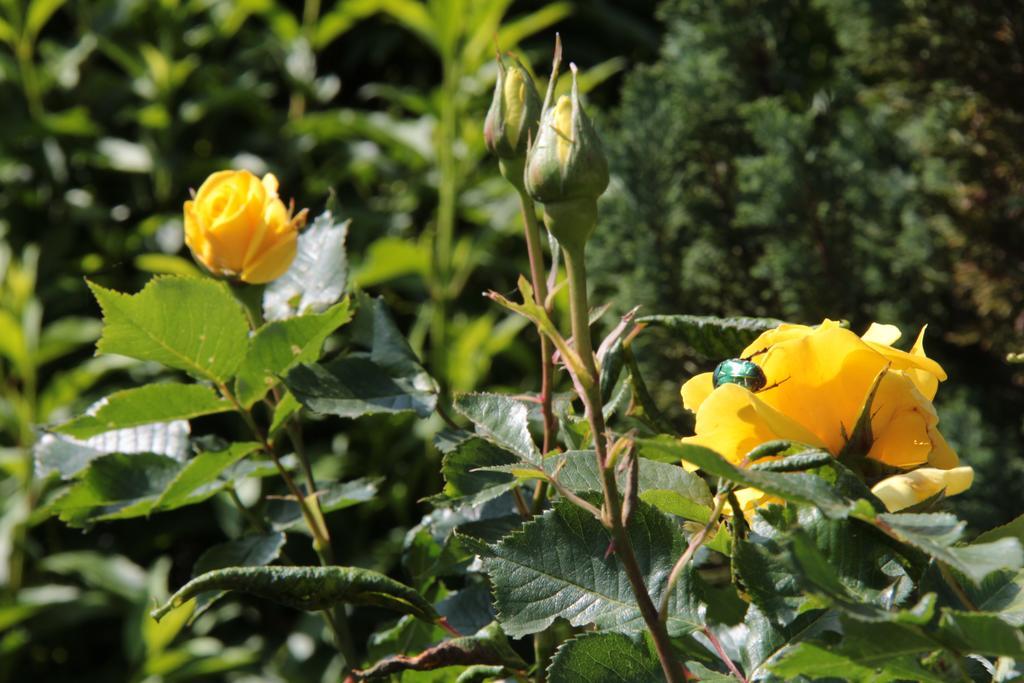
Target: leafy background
{"points": [[791, 159]]}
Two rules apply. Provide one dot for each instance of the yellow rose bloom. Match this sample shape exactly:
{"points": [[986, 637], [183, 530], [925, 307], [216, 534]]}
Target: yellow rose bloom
{"points": [[236, 225], [818, 381]]}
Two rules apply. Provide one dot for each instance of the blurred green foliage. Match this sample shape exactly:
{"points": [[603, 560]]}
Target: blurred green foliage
{"points": [[833, 158]]}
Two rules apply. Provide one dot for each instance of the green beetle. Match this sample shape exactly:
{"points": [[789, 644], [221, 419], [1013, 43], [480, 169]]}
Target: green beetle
{"points": [[744, 372]]}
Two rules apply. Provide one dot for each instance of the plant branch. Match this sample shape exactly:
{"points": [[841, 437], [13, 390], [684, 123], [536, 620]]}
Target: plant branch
{"points": [[695, 542], [723, 656], [590, 393]]}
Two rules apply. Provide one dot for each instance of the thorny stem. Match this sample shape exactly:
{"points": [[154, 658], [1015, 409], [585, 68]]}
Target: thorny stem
{"points": [[540, 295], [695, 542], [590, 393]]}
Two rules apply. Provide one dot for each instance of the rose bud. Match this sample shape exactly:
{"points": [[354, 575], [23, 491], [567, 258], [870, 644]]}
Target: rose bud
{"points": [[237, 226], [515, 109], [566, 169]]}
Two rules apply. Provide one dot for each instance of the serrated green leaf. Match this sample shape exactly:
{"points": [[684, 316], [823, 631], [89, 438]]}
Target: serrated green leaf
{"points": [[556, 566], [387, 379], [936, 533], [501, 420], [199, 473], [465, 484], [147, 404], [605, 658], [489, 646], [797, 487], [353, 387], [191, 324], [308, 588], [280, 345], [317, 276], [712, 337]]}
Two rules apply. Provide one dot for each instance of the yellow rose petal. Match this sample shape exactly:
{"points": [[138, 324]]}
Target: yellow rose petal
{"points": [[904, 490], [732, 421], [273, 263], [696, 390]]}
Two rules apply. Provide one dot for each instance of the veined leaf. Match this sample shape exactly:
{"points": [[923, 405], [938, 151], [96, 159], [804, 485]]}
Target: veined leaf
{"points": [[712, 337], [280, 345], [308, 588], [605, 658], [147, 405], [317, 277], [501, 420], [192, 324], [386, 379], [558, 566]]}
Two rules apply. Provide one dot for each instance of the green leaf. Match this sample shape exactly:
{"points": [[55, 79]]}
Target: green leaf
{"points": [[317, 277], [197, 480], [191, 324], [1002, 593], [308, 588], [502, 420], [116, 486], [712, 337], [605, 658], [146, 405], [799, 487], [489, 646], [121, 486], [255, 550], [936, 533], [1014, 529], [852, 594], [867, 653], [557, 566], [668, 487], [68, 456], [387, 379], [980, 633], [465, 484], [278, 346], [353, 387]]}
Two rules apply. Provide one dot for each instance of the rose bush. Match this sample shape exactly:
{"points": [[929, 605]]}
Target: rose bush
{"points": [[820, 381], [237, 226]]}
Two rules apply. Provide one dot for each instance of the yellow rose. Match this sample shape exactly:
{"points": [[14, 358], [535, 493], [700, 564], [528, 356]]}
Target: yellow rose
{"points": [[237, 226], [822, 376]]}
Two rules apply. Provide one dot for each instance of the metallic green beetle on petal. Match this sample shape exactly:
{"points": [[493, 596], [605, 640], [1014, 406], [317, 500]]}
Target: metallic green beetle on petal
{"points": [[745, 373]]}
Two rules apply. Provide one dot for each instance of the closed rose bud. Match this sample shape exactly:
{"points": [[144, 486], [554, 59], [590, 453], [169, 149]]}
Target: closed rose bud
{"points": [[566, 169], [237, 226], [515, 109]]}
